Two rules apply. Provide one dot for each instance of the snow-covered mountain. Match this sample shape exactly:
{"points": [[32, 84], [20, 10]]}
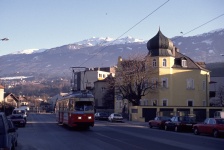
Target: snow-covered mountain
{"points": [[104, 52], [94, 41], [29, 51]]}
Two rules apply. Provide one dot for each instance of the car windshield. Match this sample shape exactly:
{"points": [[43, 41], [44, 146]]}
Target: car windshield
{"points": [[220, 121], [104, 114], [117, 115], [188, 119], [18, 112], [83, 106]]}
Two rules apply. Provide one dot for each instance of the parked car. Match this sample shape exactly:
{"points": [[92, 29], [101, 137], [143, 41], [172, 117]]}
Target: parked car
{"points": [[13, 134], [115, 117], [213, 126], [159, 122], [180, 123], [6, 140], [101, 115], [18, 120], [20, 111]]}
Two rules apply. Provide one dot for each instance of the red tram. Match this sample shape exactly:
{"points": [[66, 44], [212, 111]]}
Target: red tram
{"points": [[76, 109]]}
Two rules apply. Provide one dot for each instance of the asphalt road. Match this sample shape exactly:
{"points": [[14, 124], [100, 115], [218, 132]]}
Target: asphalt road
{"points": [[43, 133]]}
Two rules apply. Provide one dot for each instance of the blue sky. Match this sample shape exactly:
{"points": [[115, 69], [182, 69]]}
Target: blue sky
{"points": [[37, 24]]}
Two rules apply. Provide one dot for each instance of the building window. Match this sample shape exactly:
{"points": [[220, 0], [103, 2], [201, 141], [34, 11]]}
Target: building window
{"points": [[164, 62], [189, 103], [190, 83], [184, 63], [154, 103], [119, 97], [165, 102], [154, 83], [103, 89], [164, 82], [120, 104], [154, 63]]}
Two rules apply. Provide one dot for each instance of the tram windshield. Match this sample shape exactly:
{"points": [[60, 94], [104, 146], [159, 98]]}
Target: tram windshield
{"points": [[84, 106]]}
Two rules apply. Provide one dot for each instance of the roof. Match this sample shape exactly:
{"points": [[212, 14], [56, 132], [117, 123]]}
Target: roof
{"points": [[190, 63], [12, 95], [2, 87], [160, 45]]}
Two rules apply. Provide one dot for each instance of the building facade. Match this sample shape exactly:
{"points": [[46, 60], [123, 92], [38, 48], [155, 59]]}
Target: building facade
{"points": [[179, 81], [84, 80]]}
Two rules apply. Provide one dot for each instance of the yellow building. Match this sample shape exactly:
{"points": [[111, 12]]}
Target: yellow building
{"points": [[180, 80]]}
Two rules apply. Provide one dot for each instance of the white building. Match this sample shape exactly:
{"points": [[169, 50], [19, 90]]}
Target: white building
{"points": [[1, 93], [85, 79]]}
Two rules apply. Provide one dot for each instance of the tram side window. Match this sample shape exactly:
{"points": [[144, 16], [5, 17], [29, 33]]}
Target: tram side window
{"points": [[84, 106]]}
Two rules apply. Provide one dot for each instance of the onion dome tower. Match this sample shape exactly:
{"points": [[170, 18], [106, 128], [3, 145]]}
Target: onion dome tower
{"points": [[160, 45]]}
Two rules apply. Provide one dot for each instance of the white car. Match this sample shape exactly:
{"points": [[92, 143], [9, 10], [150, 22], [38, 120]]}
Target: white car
{"points": [[115, 117]]}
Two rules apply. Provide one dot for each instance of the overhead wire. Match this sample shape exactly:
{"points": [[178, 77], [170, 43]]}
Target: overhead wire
{"points": [[198, 27], [140, 22], [125, 31]]}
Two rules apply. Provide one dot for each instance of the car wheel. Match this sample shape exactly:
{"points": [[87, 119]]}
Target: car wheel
{"points": [[196, 132], [150, 126], [166, 128], [216, 133], [176, 129]]}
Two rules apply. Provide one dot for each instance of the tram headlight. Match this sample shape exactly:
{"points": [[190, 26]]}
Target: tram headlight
{"points": [[89, 117], [79, 117]]}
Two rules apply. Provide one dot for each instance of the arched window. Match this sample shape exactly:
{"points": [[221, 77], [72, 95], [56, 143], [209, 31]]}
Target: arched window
{"points": [[154, 63], [164, 62]]}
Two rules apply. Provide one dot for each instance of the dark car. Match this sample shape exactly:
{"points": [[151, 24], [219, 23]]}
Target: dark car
{"points": [[6, 140], [212, 126], [158, 122], [101, 116], [180, 123], [18, 120], [14, 133]]}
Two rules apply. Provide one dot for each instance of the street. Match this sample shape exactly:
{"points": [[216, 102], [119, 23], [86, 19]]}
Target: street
{"points": [[43, 133]]}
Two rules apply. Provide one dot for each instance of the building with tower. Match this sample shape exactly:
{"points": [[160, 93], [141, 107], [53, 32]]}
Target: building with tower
{"points": [[182, 84]]}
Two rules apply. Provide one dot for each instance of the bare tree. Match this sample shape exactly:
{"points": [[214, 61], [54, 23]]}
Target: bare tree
{"points": [[132, 79], [219, 99], [221, 95]]}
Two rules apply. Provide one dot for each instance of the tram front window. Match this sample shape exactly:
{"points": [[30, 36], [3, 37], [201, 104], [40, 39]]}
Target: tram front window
{"points": [[83, 106]]}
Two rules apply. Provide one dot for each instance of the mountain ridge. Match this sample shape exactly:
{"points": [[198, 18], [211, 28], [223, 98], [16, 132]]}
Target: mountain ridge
{"points": [[206, 47]]}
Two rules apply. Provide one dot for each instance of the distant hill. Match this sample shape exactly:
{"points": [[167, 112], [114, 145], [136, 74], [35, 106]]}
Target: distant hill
{"points": [[217, 69], [104, 52]]}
